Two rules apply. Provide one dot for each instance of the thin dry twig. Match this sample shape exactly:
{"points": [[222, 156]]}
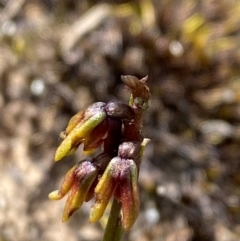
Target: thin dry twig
{"points": [[83, 25], [11, 9]]}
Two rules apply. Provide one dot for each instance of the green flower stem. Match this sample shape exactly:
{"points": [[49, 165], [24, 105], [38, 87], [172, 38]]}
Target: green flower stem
{"points": [[114, 230]]}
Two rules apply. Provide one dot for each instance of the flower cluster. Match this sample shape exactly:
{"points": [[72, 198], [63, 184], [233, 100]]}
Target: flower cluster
{"points": [[114, 127]]}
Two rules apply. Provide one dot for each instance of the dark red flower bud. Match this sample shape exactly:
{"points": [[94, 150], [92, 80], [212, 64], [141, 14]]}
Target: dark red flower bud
{"points": [[138, 87], [129, 150], [140, 92], [119, 110]]}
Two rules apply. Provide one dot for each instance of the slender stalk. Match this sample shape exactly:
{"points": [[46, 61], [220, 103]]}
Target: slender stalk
{"points": [[114, 230]]}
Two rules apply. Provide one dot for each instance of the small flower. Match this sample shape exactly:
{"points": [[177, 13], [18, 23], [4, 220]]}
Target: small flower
{"points": [[79, 129], [121, 174], [77, 183], [90, 127], [129, 193]]}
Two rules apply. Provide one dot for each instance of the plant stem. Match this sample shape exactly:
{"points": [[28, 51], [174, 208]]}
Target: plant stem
{"points": [[114, 229]]}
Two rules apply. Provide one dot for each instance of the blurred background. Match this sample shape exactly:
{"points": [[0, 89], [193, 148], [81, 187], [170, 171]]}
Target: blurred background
{"points": [[57, 57]]}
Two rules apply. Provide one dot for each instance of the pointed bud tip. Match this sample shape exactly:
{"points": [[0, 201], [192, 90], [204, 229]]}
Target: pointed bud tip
{"points": [[127, 227], [144, 79], [67, 214], [64, 148], [95, 214], [55, 195], [65, 219], [57, 158]]}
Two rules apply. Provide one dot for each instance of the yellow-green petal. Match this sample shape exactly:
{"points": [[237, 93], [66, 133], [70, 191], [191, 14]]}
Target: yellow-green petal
{"points": [[78, 133], [103, 192]]}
